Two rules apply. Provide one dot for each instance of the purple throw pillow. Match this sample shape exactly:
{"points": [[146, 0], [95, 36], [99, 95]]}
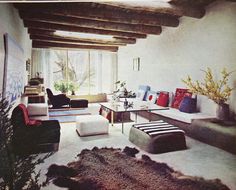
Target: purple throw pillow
{"points": [[188, 105]]}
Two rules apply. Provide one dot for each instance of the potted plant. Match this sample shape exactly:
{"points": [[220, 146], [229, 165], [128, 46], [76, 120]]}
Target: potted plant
{"points": [[216, 90], [72, 86], [61, 86], [16, 171], [64, 86]]}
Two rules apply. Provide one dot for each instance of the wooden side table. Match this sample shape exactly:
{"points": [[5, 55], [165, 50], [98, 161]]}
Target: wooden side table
{"points": [[39, 98]]}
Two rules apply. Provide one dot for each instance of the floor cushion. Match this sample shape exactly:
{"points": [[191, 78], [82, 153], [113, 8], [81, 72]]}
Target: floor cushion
{"points": [[157, 137], [91, 125], [37, 109]]}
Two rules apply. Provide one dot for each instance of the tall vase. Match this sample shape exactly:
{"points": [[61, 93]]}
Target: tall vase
{"points": [[222, 112]]}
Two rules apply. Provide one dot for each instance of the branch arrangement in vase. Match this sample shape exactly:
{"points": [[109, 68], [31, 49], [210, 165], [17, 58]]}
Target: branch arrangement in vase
{"points": [[121, 90], [217, 90]]}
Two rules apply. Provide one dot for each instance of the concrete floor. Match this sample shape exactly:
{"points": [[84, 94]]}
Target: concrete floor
{"points": [[198, 160]]}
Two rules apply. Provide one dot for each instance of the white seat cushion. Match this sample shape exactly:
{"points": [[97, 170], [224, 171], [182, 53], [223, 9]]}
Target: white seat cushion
{"points": [[37, 109], [181, 116], [91, 125]]}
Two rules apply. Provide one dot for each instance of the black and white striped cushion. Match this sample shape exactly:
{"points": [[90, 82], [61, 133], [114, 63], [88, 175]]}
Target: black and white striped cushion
{"points": [[157, 128]]}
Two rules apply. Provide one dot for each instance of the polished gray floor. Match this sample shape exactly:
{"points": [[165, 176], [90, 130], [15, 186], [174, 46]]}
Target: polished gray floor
{"points": [[198, 160]]}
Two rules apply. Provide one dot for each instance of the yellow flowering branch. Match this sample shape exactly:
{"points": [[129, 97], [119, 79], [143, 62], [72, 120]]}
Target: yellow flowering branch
{"points": [[218, 91]]}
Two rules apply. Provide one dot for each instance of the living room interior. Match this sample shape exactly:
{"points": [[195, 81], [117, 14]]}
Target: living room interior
{"points": [[109, 86]]}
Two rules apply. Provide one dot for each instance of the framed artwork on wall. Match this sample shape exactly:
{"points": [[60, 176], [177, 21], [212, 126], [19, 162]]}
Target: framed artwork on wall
{"points": [[14, 69], [136, 64]]}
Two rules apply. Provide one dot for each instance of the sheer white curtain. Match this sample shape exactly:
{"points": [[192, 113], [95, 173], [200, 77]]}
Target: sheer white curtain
{"points": [[108, 73], [102, 65], [40, 62]]}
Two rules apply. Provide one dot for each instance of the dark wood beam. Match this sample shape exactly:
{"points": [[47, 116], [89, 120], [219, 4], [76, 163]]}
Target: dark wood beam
{"points": [[52, 26], [88, 23], [75, 43], [103, 12], [126, 40], [192, 8], [43, 32], [156, 7], [201, 3], [195, 10], [44, 44], [76, 40]]}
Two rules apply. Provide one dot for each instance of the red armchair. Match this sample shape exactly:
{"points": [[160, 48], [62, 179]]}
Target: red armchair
{"points": [[33, 136]]}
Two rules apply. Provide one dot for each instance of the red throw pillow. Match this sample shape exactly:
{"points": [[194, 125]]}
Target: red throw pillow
{"points": [[163, 99], [25, 113], [150, 97], [34, 122], [28, 122], [180, 93]]}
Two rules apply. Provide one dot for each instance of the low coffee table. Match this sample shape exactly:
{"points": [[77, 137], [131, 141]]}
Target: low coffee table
{"points": [[118, 107]]}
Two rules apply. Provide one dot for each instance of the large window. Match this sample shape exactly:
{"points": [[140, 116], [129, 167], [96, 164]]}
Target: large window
{"points": [[79, 72]]}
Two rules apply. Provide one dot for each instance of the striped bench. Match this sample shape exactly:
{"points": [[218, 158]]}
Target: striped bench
{"points": [[157, 137]]}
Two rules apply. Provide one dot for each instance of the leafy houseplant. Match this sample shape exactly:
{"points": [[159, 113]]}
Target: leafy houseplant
{"points": [[16, 171], [61, 86], [72, 86], [216, 90], [64, 86]]}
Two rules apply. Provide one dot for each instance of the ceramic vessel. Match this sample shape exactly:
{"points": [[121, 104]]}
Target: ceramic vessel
{"points": [[222, 112]]}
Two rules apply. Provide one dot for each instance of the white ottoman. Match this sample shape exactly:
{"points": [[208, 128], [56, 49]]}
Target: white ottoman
{"points": [[91, 125], [37, 109]]}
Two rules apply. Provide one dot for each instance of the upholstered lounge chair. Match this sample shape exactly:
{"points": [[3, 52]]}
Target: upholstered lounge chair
{"points": [[59, 100], [33, 136]]}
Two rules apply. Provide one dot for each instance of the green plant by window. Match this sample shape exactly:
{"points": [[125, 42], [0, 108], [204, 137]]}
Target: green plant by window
{"points": [[216, 90], [72, 86], [61, 86], [64, 86]]}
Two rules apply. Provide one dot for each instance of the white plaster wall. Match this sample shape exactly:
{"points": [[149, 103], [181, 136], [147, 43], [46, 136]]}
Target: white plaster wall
{"points": [[196, 44], [11, 23]]}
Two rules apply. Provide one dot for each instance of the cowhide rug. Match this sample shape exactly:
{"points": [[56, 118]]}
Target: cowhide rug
{"points": [[113, 169]]}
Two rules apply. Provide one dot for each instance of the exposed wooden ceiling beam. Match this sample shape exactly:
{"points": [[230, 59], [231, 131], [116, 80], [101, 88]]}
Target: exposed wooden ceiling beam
{"points": [[43, 32], [76, 43], [68, 20], [76, 40], [126, 40], [201, 3], [160, 8], [191, 11], [174, 8], [44, 25], [192, 8], [102, 12], [44, 44]]}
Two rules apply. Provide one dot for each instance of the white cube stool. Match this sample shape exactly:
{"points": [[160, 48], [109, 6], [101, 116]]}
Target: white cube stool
{"points": [[37, 109], [91, 125]]}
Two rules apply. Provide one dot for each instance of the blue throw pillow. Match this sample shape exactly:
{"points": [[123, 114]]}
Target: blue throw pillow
{"points": [[188, 105]]}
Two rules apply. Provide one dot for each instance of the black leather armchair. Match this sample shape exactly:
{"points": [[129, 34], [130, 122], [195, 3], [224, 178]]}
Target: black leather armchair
{"points": [[59, 100], [33, 136]]}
